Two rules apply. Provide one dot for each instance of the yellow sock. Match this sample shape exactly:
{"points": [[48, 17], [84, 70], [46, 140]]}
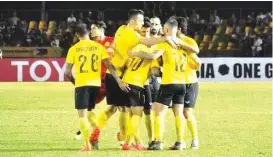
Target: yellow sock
{"points": [[158, 128], [180, 128], [102, 120], [137, 138], [84, 127], [123, 122], [92, 118], [149, 127], [153, 115], [193, 128], [134, 125]]}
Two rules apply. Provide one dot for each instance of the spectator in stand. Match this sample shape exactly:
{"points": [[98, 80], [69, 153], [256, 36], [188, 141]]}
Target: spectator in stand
{"points": [[232, 21], [44, 39], [2, 31], [18, 37], [55, 42], [34, 37], [111, 28], [186, 15], [214, 18], [268, 45], [81, 17], [89, 19], [71, 19], [257, 46], [7, 35], [66, 41], [260, 18], [14, 19], [100, 16], [194, 19]]}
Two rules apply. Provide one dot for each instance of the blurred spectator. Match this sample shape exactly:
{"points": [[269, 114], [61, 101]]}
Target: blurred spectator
{"points": [[2, 31], [214, 18], [66, 41], [111, 28], [231, 22], [55, 41], [14, 19], [44, 38], [268, 45], [81, 17], [100, 16], [71, 19], [257, 46], [18, 37], [194, 17], [89, 19], [186, 15], [260, 18], [34, 37]]}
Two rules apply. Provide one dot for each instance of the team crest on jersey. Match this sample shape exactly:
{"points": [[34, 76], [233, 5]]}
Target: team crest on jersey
{"points": [[107, 44]]}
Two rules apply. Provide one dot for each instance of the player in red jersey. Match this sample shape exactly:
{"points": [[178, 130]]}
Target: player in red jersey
{"points": [[97, 34]]}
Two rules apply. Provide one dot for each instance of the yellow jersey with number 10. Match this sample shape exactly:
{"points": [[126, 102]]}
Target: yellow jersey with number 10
{"points": [[138, 69], [174, 64], [87, 56]]}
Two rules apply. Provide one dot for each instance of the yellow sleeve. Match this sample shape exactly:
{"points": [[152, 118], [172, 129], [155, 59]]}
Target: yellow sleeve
{"points": [[191, 42], [104, 53], [70, 56], [133, 37]]}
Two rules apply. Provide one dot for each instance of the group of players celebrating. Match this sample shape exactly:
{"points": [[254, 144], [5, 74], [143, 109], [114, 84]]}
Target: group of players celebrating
{"points": [[144, 69]]}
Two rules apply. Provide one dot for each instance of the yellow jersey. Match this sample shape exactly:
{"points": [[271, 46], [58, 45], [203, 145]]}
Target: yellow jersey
{"points": [[125, 40], [174, 64], [138, 69], [87, 55], [190, 74]]}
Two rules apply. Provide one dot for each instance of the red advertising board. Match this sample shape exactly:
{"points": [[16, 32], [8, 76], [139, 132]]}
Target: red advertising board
{"points": [[40, 70]]}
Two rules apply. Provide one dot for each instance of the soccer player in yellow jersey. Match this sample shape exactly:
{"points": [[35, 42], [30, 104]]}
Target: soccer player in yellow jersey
{"points": [[136, 75], [126, 38], [87, 56], [191, 80], [172, 89]]}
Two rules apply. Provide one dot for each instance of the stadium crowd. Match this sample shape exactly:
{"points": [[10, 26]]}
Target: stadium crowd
{"points": [[252, 35]]}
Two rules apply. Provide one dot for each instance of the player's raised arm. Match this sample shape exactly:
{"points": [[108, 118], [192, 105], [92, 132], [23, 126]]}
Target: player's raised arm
{"points": [[112, 70]]}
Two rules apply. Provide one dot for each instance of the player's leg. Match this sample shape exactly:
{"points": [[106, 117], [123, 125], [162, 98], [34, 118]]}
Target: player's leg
{"points": [[147, 113], [190, 100], [158, 110], [81, 104], [136, 101], [91, 115], [180, 122]]}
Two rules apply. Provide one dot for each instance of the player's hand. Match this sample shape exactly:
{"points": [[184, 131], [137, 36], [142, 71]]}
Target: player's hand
{"points": [[131, 54], [124, 86], [171, 42]]}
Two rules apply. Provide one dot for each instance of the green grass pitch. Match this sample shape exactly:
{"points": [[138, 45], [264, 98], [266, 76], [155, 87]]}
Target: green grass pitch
{"points": [[39, 120]]}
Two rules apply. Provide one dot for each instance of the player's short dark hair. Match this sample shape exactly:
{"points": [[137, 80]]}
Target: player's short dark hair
{"points": [[81, 29], [172, 22], [134, 12], [100, 24], [147, 23], [182, 21]]}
